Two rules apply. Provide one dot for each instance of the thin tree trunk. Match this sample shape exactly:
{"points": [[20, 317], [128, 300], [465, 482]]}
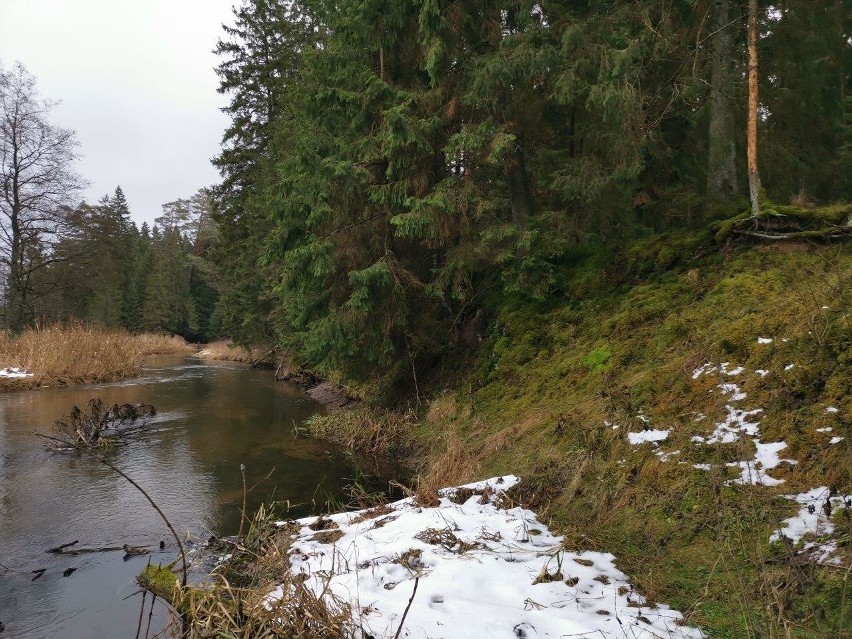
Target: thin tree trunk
{"points": [[753, 175], [722, 157], [520, 193]]}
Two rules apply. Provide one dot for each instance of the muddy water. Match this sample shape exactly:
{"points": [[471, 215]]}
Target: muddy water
{"points": [[212, 417]]}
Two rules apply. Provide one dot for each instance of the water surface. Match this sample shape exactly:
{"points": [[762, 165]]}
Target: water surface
{"points": [[212, 417]]}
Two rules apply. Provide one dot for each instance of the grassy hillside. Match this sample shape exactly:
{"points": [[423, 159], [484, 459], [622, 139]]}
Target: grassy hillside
{"points": [[670, 334]]}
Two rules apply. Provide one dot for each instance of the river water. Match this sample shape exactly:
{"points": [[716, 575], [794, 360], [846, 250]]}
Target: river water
{"points": [[212, 417]]}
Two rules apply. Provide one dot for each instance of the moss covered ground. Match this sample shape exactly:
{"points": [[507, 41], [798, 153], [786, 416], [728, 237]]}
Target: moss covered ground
{"points": [[553, 391]]}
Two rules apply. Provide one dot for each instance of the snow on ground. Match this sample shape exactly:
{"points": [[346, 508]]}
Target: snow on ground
{"points": [[814, 519], [737, 425], [645, 436], [765, 458], [481, 568], [14, 372]]}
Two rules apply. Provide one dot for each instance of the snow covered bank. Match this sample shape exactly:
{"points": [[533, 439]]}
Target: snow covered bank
{"points": [[814, 521], [12, 372], [475, 566]]}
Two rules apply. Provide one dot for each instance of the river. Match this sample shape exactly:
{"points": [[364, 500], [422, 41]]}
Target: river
{"points": [[212, 417]]}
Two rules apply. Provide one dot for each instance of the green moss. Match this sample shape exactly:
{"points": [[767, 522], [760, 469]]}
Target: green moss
{"points": [[161, 581], [597, 359], [639, 320]]}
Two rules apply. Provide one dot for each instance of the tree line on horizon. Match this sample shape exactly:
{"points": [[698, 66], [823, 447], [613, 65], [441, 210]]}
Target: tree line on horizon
{"points": [[392, 169], [63, 261], [110, 273]]}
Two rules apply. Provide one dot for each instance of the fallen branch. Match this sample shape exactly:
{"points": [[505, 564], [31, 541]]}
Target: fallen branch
{"points": [[59, 549]]}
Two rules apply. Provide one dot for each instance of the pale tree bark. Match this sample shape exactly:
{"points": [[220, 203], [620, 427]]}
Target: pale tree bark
{"points": [[722, 160], [751, 141], [37, 183]]}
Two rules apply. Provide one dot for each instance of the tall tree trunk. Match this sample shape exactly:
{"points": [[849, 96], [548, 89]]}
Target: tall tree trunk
{"points": [[722, 160], [753, 175], [520, 193]]}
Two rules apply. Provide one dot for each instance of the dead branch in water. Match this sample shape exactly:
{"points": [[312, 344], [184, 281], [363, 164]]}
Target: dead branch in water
{"points": [[86, 429], [82, 433]]}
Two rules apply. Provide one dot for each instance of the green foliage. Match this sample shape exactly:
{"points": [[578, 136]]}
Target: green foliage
{"points": [[111, 274], [597, 359], [393, 170]]}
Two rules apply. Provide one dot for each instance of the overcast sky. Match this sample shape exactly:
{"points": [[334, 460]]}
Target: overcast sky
{"points": [[137, 84]]}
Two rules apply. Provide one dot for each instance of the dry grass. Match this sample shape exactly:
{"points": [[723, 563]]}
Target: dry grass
{"points": [[78, 354], [452, 466], [227, 351], [238, 605], [372, 432]]}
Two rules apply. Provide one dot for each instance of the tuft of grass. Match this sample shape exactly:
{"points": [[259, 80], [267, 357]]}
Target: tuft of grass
{"points": [[236, 603], [452, 466], [382, 433], [77, 354]]}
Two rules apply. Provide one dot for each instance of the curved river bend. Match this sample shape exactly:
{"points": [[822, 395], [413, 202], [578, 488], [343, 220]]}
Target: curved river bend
{"points": [[212, 417]]}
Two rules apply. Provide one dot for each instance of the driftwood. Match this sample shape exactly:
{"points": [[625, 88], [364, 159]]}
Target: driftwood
{"points": [[86, 429]]}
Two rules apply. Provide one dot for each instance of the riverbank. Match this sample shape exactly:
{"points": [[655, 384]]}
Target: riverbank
{"points": [[690, 411], [60, 356], [331, 395], [468, 562]]}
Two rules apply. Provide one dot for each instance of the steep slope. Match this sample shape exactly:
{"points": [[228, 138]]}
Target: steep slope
{"points": [[687, 408]]}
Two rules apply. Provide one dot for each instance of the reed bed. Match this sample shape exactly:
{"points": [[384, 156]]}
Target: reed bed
{"points": [[76, 354], [225, 350]]}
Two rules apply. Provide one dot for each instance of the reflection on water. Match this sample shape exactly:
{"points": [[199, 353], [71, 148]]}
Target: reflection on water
{"points": [[211, 419]]}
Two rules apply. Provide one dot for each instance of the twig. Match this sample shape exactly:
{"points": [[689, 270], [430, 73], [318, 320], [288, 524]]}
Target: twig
{"points": [[150, 614], [243, 509], [141, 613], [405, 614]]}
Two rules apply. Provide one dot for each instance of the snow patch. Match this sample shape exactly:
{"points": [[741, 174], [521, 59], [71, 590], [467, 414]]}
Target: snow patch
{"points": [[666, 456], [764, 340], [12, 372], [736, 424], [835, 440], [646, 436], [814, 519], [766, 458], [832, 409], [482, 570]]}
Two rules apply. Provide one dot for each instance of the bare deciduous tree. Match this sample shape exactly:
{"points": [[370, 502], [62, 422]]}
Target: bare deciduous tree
{"points": [[37, 184]]}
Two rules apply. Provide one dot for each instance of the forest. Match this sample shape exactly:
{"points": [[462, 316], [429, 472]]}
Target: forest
{"points": [[396, 172], [601, 245]]}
